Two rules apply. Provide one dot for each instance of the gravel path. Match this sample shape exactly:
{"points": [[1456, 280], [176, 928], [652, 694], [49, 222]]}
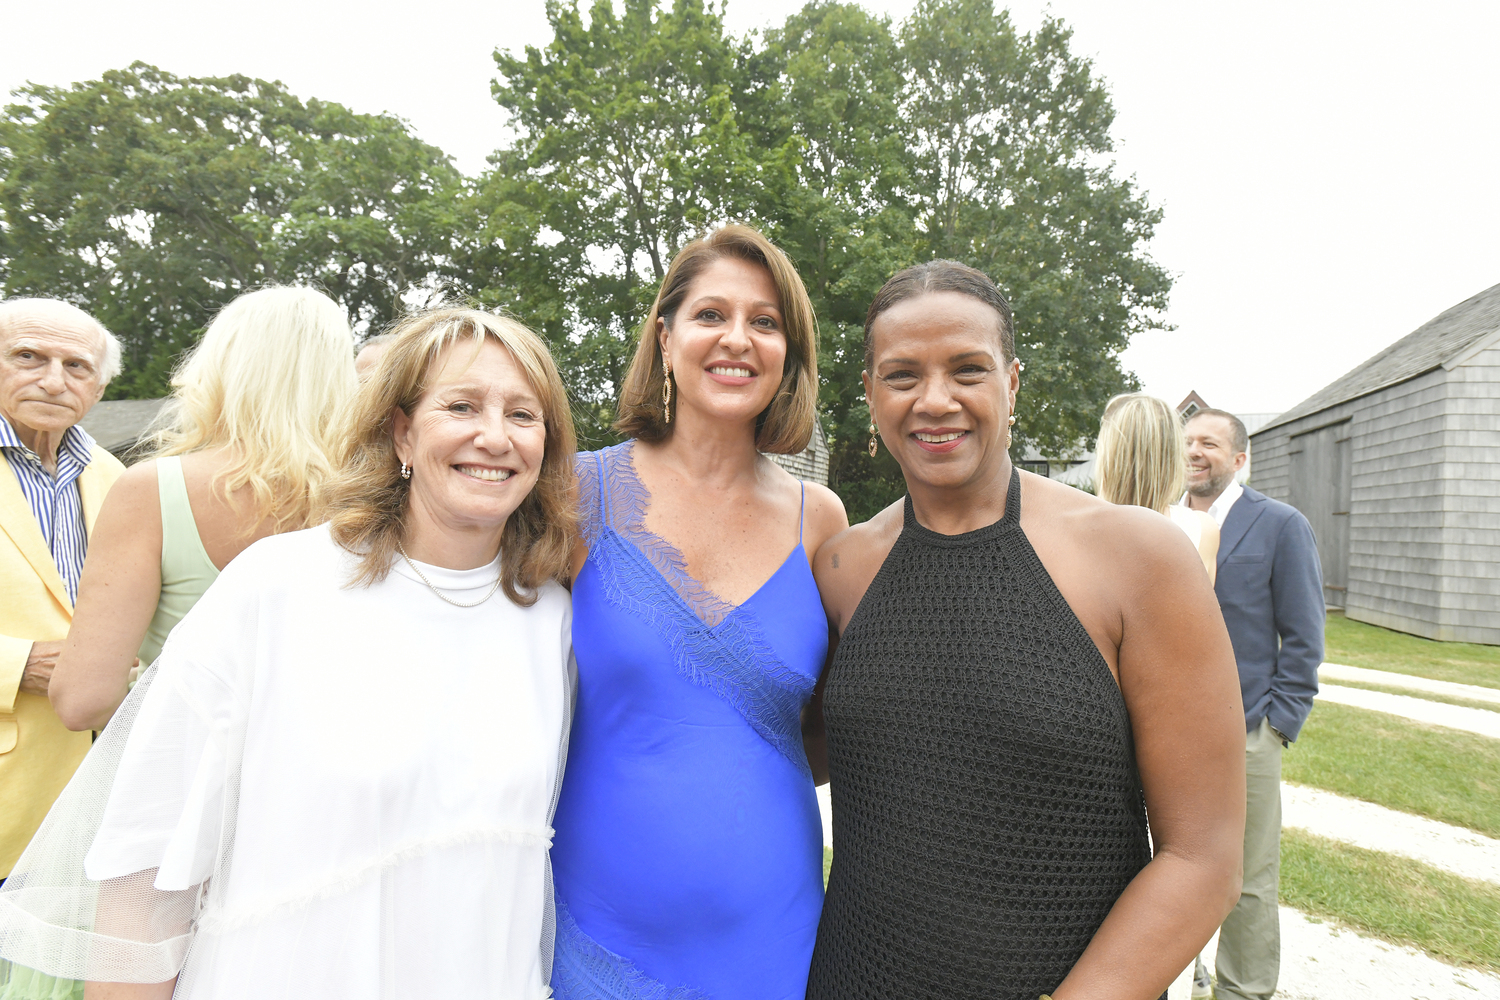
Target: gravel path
{"points": [[1376, 828], [1339, 672], [1320, 961]]}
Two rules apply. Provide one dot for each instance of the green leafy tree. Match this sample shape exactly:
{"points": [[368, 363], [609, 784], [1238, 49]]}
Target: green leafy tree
{"points": [[958, 137], [830, 81], [628, 145], [1012, 152], [152, 200]]}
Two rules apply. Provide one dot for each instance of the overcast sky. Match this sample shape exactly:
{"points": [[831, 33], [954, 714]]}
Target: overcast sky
{"points": [[1330, 172]]}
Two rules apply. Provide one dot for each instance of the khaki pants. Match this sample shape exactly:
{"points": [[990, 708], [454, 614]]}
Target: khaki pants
{"points": [[1249, 956]]}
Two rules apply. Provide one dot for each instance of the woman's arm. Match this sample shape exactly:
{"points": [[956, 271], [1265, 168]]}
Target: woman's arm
{"points": [[1178, 676], [117, 596], [120, 914]]}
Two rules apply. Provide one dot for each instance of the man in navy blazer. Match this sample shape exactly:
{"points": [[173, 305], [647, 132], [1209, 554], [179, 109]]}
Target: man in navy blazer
{"points": [[1270, 589]]}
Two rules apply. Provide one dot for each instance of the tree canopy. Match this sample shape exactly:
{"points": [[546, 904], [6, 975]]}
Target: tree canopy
{"points": [[859, 146], [152, 201]]}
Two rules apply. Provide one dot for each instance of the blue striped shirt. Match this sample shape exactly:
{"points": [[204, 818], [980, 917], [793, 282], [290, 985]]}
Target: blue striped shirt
{"points": [[54, 500]]}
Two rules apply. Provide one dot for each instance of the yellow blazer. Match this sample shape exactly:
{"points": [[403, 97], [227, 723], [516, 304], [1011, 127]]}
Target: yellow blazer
{"points": [[37, 752]]}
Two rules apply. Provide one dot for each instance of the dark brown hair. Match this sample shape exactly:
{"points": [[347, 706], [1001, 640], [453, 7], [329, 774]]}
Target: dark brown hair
{"points": [[786, 425], [941, 276]]}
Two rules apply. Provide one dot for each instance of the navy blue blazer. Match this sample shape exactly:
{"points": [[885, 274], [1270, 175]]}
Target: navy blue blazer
{"points": [[1270, 588]]}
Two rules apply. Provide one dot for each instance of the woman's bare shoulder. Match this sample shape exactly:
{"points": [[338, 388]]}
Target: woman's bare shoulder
{"points": [[846, 564], [135, 486], [825, 516]]}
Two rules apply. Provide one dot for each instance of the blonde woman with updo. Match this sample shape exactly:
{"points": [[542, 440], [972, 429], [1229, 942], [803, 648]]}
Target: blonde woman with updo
{"points": [[237, 452], [337, 780], [1141, 460]]}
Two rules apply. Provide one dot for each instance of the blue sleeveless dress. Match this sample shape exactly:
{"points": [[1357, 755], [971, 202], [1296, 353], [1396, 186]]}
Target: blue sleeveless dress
{"points": [[687, 859]]}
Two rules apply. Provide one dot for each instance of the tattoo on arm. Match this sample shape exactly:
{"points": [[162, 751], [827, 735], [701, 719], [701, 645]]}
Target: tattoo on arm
{"points": [[835, 560]]}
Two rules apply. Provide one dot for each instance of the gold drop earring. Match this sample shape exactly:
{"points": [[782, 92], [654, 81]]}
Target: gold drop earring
{"points": [[1008, 425], [666, 389], [874, 438]]}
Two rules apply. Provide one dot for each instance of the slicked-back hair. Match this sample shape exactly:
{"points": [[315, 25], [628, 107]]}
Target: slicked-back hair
{"points": [[941, 276], [1141, 458], [786, 425], [368, 502], [1239, 438]]}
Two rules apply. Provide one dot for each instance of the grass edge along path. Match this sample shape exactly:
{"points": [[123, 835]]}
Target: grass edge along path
{"points": [[1394, 898], [1356, 644], [1443, 774]]}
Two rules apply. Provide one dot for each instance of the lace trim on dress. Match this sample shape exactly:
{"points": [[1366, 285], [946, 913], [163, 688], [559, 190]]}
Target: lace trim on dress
{"points": [[714, 644], [586, 970]]}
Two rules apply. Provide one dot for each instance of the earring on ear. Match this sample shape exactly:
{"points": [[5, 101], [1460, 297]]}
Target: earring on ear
{"points": [[874, 438], [405, 471], [666, 389], [1008, 425]]}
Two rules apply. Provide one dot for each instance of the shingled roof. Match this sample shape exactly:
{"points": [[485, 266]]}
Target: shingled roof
{"points": [[1434, 343]]}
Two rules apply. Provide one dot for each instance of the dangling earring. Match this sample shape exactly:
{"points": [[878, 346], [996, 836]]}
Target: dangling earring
{"points": [[666, 389], [874, 438], [1008, 425], [405, 471]]}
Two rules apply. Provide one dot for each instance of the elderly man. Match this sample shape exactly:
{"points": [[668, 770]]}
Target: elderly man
{"points": [[1270, 588], [55, 361]]}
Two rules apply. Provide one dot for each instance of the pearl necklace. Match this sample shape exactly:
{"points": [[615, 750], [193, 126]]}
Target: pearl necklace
{"points": [[457, 604]]}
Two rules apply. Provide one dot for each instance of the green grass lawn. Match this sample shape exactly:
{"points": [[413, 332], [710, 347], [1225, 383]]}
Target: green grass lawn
{"points": [[1359, 645], [1440, 773], [1391, 897]]}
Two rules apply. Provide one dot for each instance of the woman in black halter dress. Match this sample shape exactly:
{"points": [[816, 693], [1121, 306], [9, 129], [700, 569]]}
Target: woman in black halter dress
{"points": [[1023, 673]]}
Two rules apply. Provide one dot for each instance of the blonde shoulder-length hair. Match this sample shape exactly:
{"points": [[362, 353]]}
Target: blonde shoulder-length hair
{"points": [[1141, 458], [786, 425], [269, 380], [367, 503]]}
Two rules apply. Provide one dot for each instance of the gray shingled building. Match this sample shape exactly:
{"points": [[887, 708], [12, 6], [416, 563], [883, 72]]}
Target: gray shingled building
{"points": [[1397, 467]]}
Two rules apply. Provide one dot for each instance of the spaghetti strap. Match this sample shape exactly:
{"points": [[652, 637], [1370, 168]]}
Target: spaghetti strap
{"points": [[802, 514]]}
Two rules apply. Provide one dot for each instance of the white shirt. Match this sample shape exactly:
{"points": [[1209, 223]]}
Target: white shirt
{"points": [[1219, 509], [358, 781]]}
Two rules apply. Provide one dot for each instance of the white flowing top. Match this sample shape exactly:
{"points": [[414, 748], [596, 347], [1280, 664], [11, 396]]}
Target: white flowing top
{"points": [[1189, 521], [319, 790]]}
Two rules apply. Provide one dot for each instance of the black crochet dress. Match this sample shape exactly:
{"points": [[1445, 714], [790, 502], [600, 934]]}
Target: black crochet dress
{"points": [[987, 811]]}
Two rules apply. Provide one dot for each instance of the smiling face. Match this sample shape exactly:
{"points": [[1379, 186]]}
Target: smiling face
{"points": [[49, 370], [1212, 458], [474, 441], [726, 343], [941, 390]]}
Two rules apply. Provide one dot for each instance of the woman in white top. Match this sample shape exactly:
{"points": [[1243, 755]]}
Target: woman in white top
{"points": [[338, 779], [1141, 459]]}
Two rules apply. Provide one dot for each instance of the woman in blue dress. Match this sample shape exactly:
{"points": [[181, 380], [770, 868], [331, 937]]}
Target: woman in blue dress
{"points": [[688, 850]]}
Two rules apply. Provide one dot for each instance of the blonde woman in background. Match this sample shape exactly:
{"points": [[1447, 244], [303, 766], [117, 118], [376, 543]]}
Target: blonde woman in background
{"points": [[1141, 460], [239, 450]]}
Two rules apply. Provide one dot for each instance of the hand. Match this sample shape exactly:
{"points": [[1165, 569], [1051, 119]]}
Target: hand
{"points": [[38, 673]]}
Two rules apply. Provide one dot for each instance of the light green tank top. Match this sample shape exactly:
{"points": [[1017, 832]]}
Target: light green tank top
{"points": [[186, 570]]}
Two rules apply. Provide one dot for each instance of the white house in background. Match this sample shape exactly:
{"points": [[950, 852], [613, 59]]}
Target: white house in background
{"points": [[1397, 467]]}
